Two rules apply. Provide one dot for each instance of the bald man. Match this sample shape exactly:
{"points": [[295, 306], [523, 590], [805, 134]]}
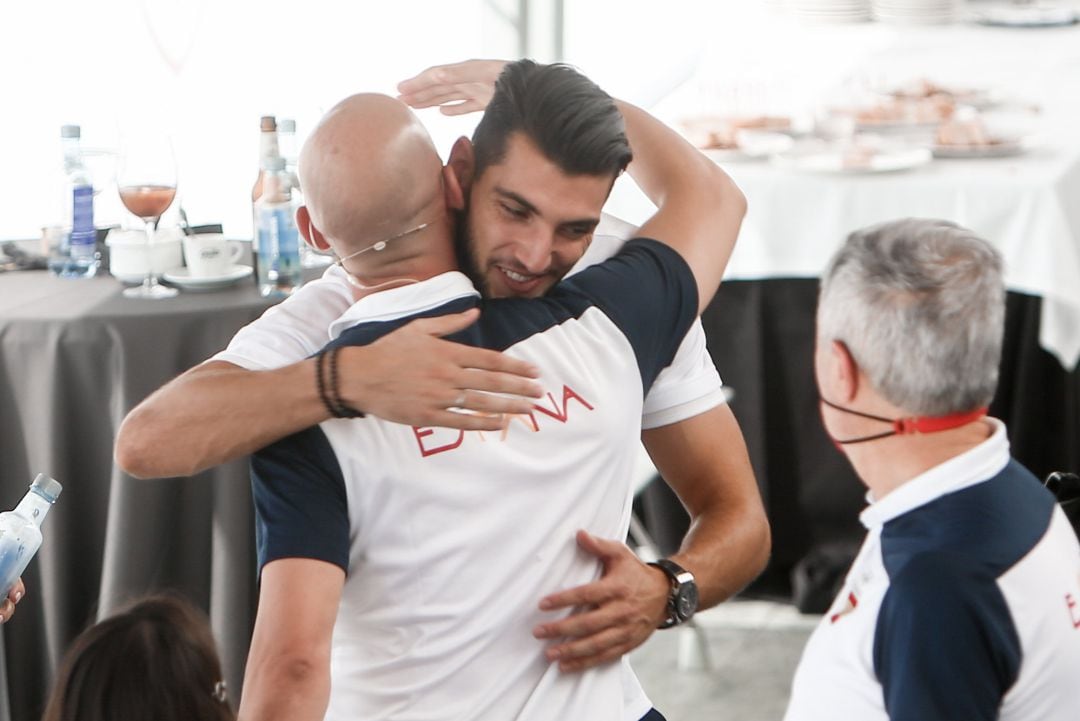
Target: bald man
{"points": [[524, 224], [404, 563]]}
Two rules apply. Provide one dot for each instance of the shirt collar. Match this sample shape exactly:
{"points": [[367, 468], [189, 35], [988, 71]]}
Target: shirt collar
{"points": [[973, 466], [405, 300]]}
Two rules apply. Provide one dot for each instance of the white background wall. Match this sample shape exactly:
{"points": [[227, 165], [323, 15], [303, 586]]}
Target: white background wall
{"points": [[204, 71], [205, 74]]}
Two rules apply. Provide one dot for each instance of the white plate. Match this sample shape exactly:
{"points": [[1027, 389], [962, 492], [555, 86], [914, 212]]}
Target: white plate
{"points": [[182, 277], [1026, 16], [897, 126], [1002, 149], [832, 161], [753, 145]]}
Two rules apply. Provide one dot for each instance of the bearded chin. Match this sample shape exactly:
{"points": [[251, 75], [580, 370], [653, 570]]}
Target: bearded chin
{"points": [[463, 249]]}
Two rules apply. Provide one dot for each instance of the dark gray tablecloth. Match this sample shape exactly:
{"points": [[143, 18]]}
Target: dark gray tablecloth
{"points": [[75, 357]]}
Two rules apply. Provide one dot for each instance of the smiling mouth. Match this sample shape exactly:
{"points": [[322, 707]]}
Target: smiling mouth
{"points": [[517, 277]]}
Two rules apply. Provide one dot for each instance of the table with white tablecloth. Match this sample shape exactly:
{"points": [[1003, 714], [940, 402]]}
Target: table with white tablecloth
{"points": [[760, 326]]}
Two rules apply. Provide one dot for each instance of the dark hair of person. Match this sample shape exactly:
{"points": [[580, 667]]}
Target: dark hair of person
{"points": [[154, 661], [574, 123]]}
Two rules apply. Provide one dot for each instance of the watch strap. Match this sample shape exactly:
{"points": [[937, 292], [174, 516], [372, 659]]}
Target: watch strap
{"points": [[678, 576]]}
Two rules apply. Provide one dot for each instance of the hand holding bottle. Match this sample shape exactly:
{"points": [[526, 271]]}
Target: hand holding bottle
{"points": [[20, 538], [7, 608]]}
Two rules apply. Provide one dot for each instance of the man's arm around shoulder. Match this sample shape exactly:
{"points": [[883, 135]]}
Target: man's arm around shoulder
{"points": [[214, 413], [218, 411], [699, 207]]}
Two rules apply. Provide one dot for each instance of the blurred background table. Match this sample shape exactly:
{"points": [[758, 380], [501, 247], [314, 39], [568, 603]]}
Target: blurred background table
{"points": [[760, 325], [75, 357]]}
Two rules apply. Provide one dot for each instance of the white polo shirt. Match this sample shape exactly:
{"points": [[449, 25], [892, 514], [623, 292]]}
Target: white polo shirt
{"points": [[450, 538], [298, 327], [963, 604]]}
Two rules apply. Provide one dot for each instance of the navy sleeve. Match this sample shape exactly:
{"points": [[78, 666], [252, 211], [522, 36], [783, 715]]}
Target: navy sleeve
{"points": [[301, 508], [649, 292], [945, 646]]}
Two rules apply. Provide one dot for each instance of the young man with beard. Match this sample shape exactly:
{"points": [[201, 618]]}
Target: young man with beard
{"points": [[527, 229]]}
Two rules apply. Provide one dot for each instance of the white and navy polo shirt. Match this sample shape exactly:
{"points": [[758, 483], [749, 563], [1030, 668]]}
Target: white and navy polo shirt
{"points": [[963, 604], [297, 327], [450, 538]]}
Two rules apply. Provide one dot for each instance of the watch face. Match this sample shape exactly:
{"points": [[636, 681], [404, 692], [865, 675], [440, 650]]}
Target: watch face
{"points": [[687, 601]]}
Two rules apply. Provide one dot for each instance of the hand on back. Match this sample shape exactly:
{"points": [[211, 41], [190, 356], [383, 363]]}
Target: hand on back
{"points": [[413, 376]]}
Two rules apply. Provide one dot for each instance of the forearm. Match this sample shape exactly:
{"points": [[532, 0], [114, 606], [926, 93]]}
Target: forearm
{"points": [[214, 413], [726, 548], [290, 690], [704, 460]]}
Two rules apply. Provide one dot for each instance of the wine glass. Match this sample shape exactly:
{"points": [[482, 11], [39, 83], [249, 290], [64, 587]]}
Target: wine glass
{"points": [[146, 178]]}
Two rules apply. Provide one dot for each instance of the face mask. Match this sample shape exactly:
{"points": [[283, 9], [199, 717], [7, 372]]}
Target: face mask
{"points": [[908, 426]]}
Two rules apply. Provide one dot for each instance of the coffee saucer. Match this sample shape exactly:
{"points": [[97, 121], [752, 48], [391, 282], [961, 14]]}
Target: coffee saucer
{"points": [[182, 278]]}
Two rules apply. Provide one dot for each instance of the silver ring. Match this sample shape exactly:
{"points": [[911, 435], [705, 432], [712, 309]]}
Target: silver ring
{"points": [[459, 402]]}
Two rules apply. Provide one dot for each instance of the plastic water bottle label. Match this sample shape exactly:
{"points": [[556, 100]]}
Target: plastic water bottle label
{"points": [[13, 561], [278, 246], [82, 220]]}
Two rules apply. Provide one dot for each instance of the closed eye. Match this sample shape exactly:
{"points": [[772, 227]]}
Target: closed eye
{"points": [[577, 231], [514, 211]]}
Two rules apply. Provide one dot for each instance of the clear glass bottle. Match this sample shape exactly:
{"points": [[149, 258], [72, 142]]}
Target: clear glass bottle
{"points": [[268, 148], [76, 256], [286, 130], [309, 257], [277, 242], [20, 530]]}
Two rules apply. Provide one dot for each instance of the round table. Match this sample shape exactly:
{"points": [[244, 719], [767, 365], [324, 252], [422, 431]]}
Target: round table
{"points": [[76, 357]]}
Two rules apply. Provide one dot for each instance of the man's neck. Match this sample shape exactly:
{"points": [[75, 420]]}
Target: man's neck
{"points": [[412, 272], [358, 292], [886, 464]]}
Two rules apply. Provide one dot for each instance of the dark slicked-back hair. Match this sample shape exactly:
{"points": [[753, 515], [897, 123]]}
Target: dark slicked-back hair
{"points": [[568, 117], [155, 661]]}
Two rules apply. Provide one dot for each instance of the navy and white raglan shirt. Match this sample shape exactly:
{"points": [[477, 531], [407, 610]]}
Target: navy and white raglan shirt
{"points": [[450, 538], [963, 604], [297, 327]]}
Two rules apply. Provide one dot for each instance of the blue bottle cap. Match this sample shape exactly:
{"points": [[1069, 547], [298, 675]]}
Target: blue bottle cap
{"points": [[47, 487]]}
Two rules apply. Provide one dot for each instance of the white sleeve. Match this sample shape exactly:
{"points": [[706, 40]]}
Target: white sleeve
{"points": [[686, 388], [690, 385], [292, 330]]}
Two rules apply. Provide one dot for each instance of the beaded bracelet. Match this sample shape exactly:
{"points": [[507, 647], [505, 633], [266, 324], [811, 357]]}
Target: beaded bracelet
{"points": [[328, 391]]}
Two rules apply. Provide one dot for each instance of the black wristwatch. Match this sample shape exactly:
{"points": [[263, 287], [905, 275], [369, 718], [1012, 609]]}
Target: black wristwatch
{"points": [[683, 597]]}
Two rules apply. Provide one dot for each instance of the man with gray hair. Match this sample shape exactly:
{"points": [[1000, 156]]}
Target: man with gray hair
{"points": [[964, 601]]}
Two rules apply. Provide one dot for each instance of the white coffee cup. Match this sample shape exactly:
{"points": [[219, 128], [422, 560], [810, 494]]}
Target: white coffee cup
{"points": [[210, 255], [128, 253]]}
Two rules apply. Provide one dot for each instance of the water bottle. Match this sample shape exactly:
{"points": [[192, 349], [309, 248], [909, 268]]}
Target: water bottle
{"points": [[20, 530], [286, 129], [277, 242], [77, 255]]}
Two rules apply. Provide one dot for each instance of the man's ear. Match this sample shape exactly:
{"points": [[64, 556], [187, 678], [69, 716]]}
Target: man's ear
{"points": [[458, 173], [847, 370], [311, 234]]}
